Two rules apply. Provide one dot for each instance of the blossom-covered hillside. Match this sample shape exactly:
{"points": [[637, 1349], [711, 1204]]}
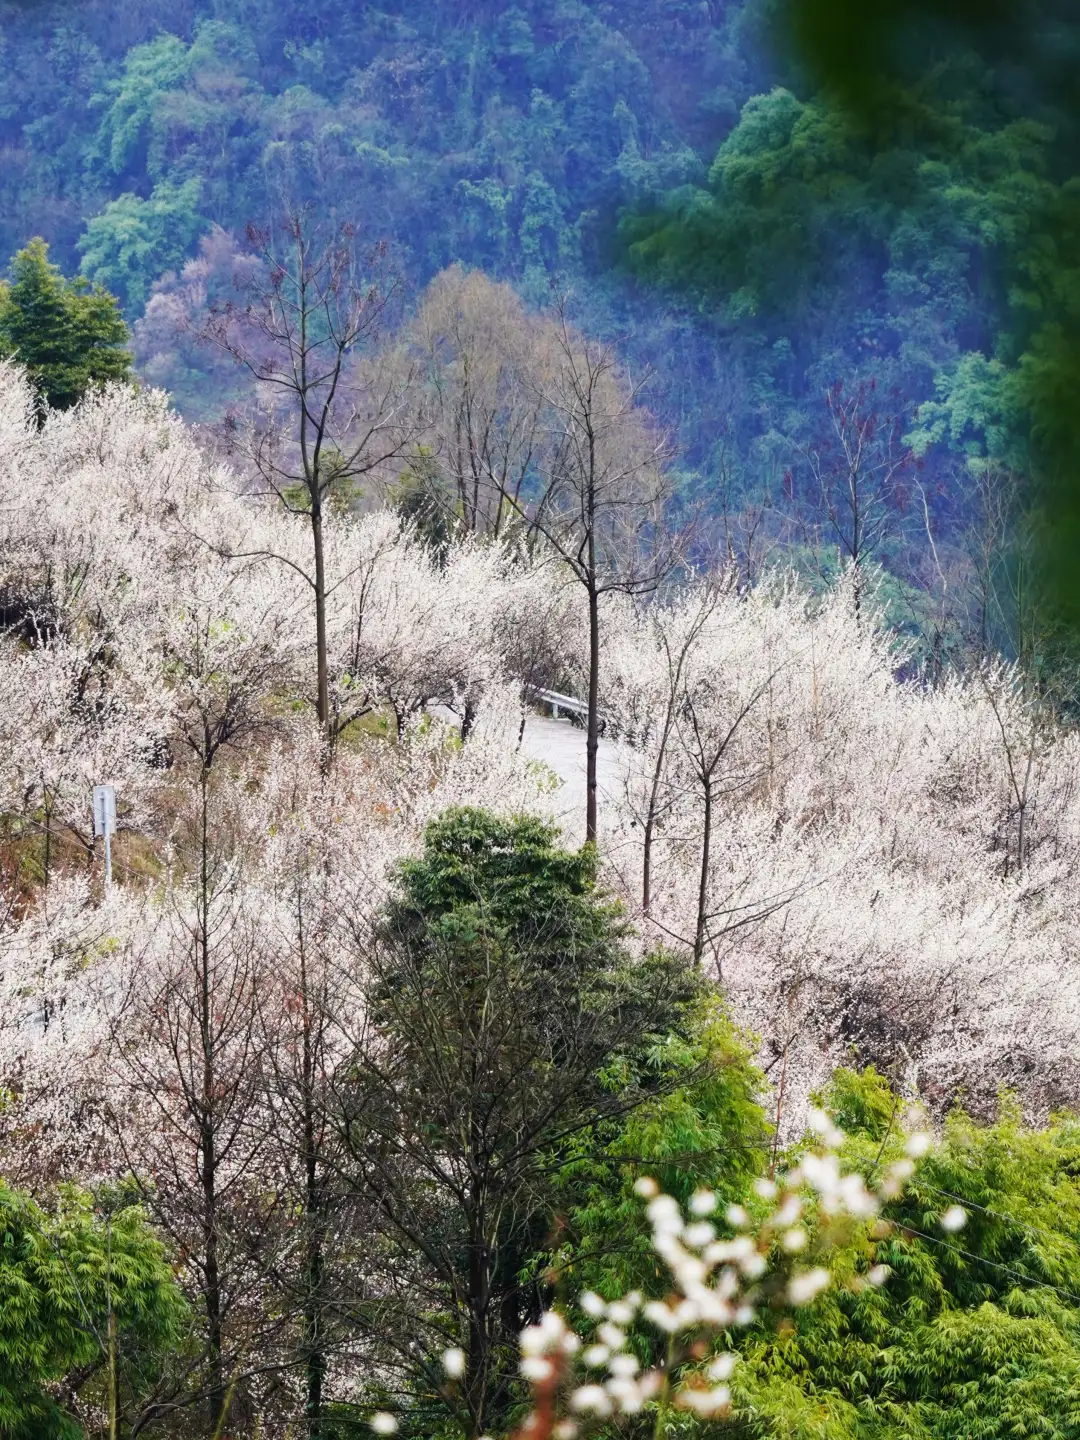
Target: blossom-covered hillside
{"points": [[866, 865]]}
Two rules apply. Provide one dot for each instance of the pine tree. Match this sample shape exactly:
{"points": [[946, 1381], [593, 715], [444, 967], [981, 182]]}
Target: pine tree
{"points": [[69, 335]]}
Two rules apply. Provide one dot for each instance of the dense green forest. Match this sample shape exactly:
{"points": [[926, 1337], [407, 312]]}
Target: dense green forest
{"points": [[504, 137], [669, 162]]}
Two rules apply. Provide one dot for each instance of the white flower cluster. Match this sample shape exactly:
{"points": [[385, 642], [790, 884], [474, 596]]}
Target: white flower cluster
{"points": [[898, 859], [716, 1287]]}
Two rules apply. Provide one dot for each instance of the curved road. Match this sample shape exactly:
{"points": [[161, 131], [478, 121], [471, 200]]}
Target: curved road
{"points": [[560, 744]]}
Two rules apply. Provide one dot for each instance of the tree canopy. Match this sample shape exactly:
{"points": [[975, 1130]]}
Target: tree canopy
{"points": [[68, 334], [976, 1331], [63, 1274], [509, 1014]]}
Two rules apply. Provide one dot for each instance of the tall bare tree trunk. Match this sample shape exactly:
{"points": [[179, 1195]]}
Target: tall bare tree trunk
{"points": [[646, 861], [478, 1361], [208, 1159], [314, 1260], [651, 814], [314, 1358], [301, 334], [322, 664], [703, 882], [592, 742]]}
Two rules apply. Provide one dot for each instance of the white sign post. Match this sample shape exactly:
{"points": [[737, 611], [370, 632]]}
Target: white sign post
{"points": [[105, 822]]}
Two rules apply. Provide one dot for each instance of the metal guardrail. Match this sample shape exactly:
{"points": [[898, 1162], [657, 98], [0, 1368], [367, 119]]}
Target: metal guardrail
{"points": [[570, 703]]}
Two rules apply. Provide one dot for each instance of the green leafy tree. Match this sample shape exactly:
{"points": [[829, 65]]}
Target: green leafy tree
{"points": [[802, 204], [131, 131], [953, 1314], [68, 334], [881, 64], [89, 1312], [976, 1331], [701, 1127], [511, 1031], [423, 498], [132, 241]]}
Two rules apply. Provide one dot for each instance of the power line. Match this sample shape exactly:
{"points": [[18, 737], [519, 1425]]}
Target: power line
{"points": [[994, 1264], [1027, 1225]]}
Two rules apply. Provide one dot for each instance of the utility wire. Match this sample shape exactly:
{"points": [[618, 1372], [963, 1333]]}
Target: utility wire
{"points": [[994, 1264], [1027, 1225]]}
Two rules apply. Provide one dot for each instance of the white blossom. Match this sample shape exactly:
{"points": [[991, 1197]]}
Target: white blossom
{"points": [[807, 1285], [954, 1218], [453, 1362]]}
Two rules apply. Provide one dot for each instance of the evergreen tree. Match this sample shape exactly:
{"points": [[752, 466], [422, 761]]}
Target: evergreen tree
{"points": [[510, 1034], [68, 334]]}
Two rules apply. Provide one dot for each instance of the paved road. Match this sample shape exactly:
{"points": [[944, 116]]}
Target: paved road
{"points": [[560, 744]]}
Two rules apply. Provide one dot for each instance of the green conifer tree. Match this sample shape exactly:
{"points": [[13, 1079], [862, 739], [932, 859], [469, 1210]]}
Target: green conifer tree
{"points": [[69, 335]]}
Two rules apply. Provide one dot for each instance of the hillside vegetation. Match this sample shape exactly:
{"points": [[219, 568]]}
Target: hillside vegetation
{"points": [[265, 1016], [369, 380], [795, 253]]}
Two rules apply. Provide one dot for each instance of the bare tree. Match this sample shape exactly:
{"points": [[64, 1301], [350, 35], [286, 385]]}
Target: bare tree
{"points": [[857, 466], [188, 1080], [601, 496], [709, 733], [480, 353], [995, 513], [651, 720], [743, 525], [330, 413], [301, 1040]]}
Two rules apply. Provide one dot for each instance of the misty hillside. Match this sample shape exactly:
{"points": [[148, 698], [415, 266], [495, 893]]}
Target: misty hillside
{"points": [[667, 162]]}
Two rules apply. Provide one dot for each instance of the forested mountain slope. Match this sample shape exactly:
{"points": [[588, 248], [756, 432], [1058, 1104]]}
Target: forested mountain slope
{"points": [[495, 134], [334, 1070], [329, 937], [599, 148], [503, 137]]}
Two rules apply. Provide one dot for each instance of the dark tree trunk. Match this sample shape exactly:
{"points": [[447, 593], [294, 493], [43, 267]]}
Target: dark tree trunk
{"points": [[478, 1355], [208, 1136], [314, 1357], [703, 882], [592, 742], [322, 664], [314, 1205]]}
